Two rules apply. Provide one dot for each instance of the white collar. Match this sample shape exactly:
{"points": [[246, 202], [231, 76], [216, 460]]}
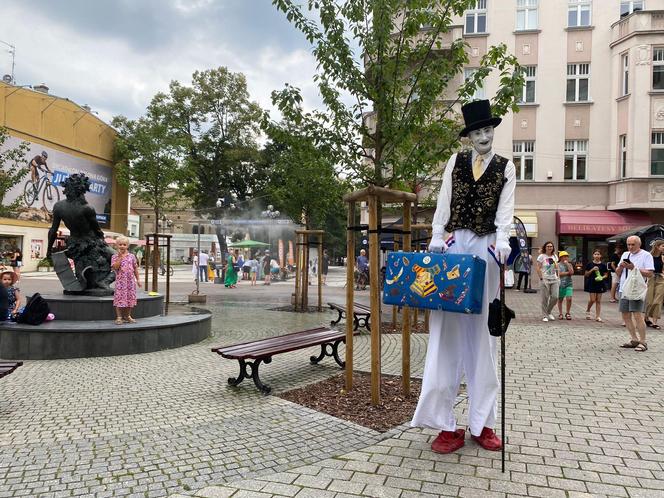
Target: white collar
{"points": [[487, 157]]}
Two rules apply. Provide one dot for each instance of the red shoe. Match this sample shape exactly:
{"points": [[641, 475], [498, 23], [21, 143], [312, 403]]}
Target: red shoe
{"points": [[448, 441], [488, 440]]}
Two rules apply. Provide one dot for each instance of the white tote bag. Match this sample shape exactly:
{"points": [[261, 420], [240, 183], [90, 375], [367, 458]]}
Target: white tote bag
{"points": [[635, 287]]}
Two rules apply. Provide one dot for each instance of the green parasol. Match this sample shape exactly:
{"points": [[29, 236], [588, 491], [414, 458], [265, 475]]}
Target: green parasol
{"points": [[246, 244]]}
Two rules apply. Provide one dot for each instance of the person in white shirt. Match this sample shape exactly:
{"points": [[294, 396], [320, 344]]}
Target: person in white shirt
{"points": [[634, 259], [203, 259], [476, 207]]}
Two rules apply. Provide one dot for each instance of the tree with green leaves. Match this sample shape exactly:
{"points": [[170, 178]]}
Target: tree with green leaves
{"points": [[388, 73], [216, 126], [148, 161], [303, 181], [13, 168]]}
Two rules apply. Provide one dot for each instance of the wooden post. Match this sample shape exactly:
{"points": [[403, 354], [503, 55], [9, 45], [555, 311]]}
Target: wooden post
{"points": [[395, 308], [374, 293], [350, 268], [305, 284], [155, 263], [168, 272], [427, 313], [297, 272], [320, 273], [405, 331], [415, 317], [146, 260]]}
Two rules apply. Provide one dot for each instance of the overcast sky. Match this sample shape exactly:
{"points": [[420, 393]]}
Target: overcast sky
{"points": [[114, 55]]}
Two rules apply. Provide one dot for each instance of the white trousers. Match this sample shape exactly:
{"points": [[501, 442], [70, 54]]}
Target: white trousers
{"points": [[458, 344]]}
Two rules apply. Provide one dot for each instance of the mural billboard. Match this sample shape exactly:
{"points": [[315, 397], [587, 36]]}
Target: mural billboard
{"points": [[38, 197]]}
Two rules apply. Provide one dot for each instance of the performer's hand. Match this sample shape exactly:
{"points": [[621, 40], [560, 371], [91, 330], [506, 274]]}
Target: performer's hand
{"points": [[503, 250], [437, 243]]}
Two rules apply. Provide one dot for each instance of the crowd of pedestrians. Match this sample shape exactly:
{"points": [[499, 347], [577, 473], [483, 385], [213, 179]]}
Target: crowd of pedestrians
{"points": [[639, 297]]}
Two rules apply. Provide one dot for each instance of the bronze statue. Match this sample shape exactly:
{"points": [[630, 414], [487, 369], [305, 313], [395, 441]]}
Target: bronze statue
{"points": [[85, 245]]}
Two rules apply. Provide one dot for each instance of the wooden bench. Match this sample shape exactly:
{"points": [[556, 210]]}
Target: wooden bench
{"points": [[361, 314], [7, 367], [263, 350]]}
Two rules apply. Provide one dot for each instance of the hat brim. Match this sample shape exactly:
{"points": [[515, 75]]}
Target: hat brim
{"points": [[480, 124]]}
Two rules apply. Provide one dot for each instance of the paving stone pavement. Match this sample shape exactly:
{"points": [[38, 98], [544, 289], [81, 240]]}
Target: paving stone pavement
{"points": [[584, 418]]}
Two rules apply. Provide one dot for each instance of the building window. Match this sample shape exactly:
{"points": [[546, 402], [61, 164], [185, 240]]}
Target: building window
{"points": [[629, 6], [476, 18], [623, 156], [523, 158], [528, 92], [576, 152], [657, 153], [479, 91], [625, 74], [658, 69], [526, 14], [577, 82], [578, 13]]}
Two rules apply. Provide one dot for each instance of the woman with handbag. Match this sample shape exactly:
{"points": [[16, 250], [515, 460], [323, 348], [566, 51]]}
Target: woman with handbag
{"points": [[655, 293]]}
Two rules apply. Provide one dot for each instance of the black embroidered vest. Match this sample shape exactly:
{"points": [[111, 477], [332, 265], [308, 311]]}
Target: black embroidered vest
{"points": [[474, 203]]}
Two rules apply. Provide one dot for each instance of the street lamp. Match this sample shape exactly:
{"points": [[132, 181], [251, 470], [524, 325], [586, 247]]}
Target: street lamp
{"points": [[12, 51], [165, 222], [270, 212]]}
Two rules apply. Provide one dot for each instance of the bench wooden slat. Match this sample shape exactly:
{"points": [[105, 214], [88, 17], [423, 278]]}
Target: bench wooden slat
{"points": [[358, 308], [259, 349], [269, 352], [270, 340]]}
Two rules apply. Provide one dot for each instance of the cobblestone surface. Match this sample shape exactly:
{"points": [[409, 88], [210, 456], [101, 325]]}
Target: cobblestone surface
{"points": [[584, 418]]}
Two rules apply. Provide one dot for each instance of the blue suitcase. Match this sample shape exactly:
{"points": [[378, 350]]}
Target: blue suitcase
{"points": [[447, 282]]}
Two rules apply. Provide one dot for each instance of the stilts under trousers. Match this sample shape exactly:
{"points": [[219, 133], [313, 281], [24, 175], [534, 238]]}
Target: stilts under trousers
{"points": [[459, 344]]}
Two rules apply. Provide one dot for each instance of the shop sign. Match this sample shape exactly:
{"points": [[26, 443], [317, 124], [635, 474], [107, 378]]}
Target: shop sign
{"points": [[587, 229], [36, 201]]}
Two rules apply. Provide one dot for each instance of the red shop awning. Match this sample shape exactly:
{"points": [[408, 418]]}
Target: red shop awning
{"points": [[598, 222]]}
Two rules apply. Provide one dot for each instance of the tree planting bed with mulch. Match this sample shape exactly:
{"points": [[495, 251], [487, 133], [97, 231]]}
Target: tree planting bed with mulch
{"points": [[329, 396]]}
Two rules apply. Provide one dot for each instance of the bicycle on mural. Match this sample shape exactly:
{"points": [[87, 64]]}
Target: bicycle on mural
{"points": [[40, 185]]}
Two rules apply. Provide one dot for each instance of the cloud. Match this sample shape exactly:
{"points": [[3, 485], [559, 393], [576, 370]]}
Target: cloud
{"points": [[114, 55]]}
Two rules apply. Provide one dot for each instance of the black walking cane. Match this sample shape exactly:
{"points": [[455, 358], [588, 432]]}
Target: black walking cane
{"points": [[499, 318], [503, 329]]}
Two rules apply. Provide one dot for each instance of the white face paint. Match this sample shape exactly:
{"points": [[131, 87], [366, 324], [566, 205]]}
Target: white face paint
{"points": [[482, 139]]}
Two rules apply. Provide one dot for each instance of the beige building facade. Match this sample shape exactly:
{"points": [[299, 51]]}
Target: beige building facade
{"points": [[588, 142]]}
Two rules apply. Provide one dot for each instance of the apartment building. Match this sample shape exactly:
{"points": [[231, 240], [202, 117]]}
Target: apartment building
{"points": [[588, 142]]}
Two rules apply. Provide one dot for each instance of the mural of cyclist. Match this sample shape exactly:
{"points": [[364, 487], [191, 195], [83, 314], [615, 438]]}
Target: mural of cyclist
{"points": [[37, 164]]}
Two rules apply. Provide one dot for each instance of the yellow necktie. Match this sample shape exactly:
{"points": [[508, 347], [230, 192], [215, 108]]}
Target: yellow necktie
{"points": [[478, 167]]}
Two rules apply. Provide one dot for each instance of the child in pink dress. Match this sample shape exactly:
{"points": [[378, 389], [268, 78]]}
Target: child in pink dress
{"points": [[126, 279]]}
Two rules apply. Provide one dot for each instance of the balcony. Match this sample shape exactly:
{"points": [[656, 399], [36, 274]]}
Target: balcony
{"points": [[640, 22]]}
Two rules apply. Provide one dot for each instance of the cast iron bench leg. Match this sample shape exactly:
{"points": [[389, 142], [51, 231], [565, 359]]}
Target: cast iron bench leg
{"points": [[362, 321], [334, 352], [341, 315], [356, 322], [234, 381], [250, 369]]}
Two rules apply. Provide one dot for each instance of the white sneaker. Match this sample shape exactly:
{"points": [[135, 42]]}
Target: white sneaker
{"points": [[545, 319], [552, 318]]}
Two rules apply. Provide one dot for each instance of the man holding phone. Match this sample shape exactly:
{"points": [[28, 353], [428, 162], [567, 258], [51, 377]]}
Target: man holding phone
{"points": [[634, 259]]}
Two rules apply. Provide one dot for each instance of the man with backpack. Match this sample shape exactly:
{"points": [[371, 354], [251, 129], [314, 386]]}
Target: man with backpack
{"points": [[634, 259]]}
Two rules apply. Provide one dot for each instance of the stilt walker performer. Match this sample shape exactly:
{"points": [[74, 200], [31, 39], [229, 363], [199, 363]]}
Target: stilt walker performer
{"points": [[475, 207]]}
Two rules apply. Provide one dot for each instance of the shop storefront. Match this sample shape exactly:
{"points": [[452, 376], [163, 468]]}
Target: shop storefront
{"points": [[581, 232]]}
